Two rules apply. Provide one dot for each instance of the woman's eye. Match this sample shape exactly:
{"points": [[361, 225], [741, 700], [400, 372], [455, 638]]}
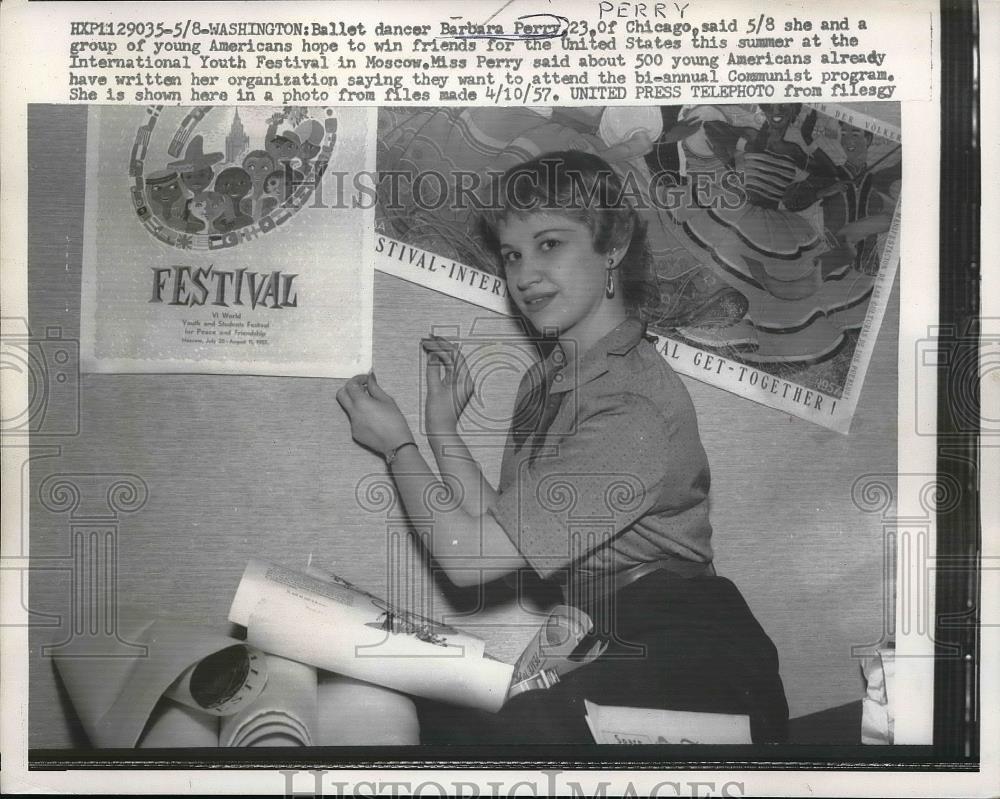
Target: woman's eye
{"points": [[511, 257], [548, 244]]}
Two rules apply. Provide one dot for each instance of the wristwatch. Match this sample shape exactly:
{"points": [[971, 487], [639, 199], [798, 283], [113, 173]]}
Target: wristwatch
{"points": [[390, 456]]}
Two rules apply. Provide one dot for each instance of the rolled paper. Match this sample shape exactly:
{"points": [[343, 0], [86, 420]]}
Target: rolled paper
{"points": [[400, 620], [114, 697], [401, 632], [305, 631], [561, 635], [334, 626], [286, 706], [223, 683], [355, 713], [275, 739], [174, 726]]}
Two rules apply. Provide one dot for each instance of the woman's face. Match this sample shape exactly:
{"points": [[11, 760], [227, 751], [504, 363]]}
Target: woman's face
{"points": [[554, 275]]}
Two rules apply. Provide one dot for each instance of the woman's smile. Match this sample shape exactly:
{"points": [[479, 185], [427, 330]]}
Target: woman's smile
{"points": [[536, 302]]}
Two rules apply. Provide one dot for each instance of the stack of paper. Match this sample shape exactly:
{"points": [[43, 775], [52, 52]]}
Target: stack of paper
{"points": [[638, 725]]}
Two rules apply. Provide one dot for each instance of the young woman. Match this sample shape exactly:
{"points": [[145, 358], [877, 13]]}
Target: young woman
{"points": [[604, 482]]}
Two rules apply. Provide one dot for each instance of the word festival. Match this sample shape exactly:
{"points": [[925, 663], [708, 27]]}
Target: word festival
{"points": [[189, 286]]}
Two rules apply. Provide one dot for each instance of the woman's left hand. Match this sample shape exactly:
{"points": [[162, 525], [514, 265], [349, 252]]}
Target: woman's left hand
{"points": [[376, 421]]}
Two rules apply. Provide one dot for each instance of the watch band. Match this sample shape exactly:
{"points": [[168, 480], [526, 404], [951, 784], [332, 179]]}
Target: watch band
{"points": [[390, 456]]}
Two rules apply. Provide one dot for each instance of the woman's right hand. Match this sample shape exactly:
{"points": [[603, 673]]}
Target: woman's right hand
{"points": [[449, 385]]}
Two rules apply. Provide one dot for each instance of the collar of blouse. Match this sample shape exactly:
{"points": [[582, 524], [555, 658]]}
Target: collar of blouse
{"points": [[570, 370]]}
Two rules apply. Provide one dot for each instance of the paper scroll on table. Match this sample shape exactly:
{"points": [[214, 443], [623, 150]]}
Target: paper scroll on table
{"points": [[188, 675], [324, 664], [300, 706], [329, 623], [189, 688]]}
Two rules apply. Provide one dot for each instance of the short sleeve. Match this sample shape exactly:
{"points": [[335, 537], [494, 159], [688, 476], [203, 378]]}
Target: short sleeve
{"points": [[624, 459]]}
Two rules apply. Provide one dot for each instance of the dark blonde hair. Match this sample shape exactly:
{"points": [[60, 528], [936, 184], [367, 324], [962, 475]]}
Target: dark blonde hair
{"points": [[584, 188]]}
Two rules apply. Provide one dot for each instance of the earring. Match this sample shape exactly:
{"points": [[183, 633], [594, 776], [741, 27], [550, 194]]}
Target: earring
{"points": [[609, 287]]}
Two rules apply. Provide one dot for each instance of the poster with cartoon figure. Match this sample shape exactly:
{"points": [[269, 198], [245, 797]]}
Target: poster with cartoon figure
{"points": [[773, 229], [214, 242]]}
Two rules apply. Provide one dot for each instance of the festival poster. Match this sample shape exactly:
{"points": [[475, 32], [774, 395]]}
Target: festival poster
{"points": [[215, 241], [773, 229]]}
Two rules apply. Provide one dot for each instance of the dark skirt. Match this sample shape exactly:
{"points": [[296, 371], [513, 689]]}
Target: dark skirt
{"points": [[676, 643]]}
